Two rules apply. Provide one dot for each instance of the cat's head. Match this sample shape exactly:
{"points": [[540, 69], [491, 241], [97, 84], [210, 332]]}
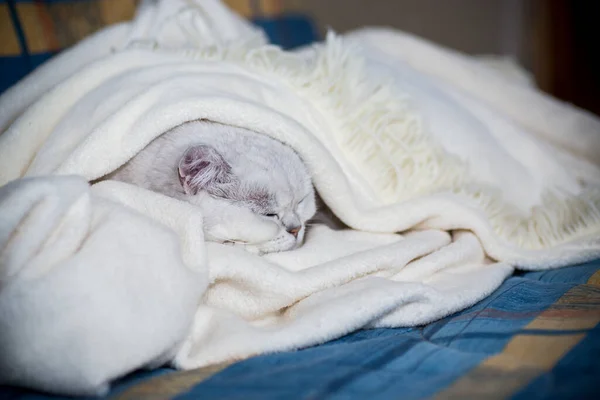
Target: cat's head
{"points": [[264, 191]]}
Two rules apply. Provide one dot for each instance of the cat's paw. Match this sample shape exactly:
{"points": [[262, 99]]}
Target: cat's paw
{"points": [[241, 227]]}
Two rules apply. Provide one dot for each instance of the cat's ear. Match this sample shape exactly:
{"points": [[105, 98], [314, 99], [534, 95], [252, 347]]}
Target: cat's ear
{"points": [[203, 168]]}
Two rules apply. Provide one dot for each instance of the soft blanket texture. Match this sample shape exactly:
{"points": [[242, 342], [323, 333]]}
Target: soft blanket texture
{"points": [[532, 338], [480, 173]]}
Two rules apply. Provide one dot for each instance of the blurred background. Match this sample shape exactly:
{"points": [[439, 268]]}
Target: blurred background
{"points": [[555, 40]]}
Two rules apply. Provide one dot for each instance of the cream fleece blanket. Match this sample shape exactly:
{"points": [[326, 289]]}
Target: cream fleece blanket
{"points": [[479, 173]]}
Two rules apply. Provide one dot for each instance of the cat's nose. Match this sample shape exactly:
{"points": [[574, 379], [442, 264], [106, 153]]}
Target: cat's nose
{"points": [[294, 230]]}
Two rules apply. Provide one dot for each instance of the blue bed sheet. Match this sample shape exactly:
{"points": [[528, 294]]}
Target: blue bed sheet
{"points": [[536, 337]]}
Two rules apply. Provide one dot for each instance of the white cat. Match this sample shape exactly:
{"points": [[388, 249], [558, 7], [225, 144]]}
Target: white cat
{"points": [[235, 176]]}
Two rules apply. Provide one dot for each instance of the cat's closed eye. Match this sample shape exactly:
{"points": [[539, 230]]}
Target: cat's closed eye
{"points": [[270, 215], [304, 199]]}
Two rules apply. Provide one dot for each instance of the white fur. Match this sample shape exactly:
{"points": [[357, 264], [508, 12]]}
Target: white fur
{"points": [[257, 161]]}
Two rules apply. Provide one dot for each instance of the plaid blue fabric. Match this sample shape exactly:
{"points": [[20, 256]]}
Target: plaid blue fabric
{"points": [[537, 336]]}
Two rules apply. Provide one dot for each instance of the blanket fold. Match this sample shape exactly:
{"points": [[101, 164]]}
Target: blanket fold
{"points": [[81, 302], [446, 180]]}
